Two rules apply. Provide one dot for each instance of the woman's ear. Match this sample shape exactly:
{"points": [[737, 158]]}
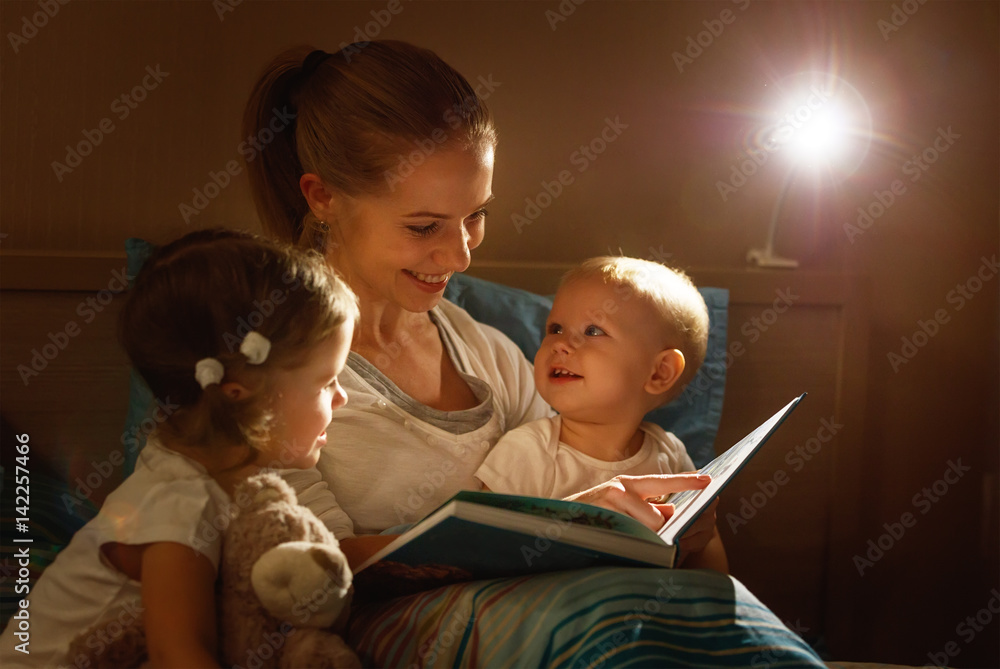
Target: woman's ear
{"points": [[668, 369], [235, 391], [320, 198]]}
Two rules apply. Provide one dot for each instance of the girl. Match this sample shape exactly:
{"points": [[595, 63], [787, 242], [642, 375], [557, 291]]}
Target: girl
{"points": [[247, 399]]}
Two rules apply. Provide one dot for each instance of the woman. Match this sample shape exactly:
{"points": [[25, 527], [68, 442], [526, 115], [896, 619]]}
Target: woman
{"points": [[388, 171]]}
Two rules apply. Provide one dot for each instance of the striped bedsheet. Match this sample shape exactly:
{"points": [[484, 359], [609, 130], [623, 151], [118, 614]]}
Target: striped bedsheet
{"points": [[589, 618]]}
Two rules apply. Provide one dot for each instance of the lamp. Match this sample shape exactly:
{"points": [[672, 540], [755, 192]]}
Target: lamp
{"points": [[820, 128]]}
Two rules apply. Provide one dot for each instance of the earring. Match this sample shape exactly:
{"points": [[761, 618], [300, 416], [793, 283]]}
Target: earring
{"points": [[320, 232]]}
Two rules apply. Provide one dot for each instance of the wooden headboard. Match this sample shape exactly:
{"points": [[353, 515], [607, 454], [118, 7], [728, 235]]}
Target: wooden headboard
{"points": [[789, 332]]}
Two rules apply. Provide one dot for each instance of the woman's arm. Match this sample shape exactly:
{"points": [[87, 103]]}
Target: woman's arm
{"points": [[712, 556], [178, 593], [701, 546]]}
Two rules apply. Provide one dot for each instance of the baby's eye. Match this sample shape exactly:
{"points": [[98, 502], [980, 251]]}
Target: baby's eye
{"points": [[423, 230], [554, 329], [593, 331]]}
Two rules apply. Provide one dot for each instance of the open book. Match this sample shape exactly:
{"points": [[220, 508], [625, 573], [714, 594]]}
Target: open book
{"points": [[477, 535]]}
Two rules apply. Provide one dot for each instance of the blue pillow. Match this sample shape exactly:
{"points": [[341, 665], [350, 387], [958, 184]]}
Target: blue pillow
{"points": [[139, 421], [694, 416]]}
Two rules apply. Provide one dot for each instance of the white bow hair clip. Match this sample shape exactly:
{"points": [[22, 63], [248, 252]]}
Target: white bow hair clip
{"points": [[208, 371], [255, 347]]}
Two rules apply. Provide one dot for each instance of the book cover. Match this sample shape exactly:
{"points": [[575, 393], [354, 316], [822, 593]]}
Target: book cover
{"points": [[479, 535]]}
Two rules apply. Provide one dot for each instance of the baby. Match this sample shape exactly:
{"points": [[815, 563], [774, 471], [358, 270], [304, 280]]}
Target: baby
{"points": [[624, 337]]}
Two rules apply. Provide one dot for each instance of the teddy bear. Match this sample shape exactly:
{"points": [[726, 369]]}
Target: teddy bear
{"points": [[284, 583]]}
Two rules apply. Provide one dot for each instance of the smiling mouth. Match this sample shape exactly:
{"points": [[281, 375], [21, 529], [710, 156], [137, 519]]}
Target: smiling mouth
{"points": [[429, 278], [559, 373]]}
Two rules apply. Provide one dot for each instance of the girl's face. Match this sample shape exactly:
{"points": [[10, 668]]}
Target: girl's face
{"points": [[402, 247], [303, 399]]}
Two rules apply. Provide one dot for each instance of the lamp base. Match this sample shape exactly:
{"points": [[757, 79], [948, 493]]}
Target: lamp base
{"points": [[766, 258]]}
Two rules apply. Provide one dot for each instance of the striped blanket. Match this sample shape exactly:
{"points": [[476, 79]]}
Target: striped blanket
{"points": [[598, 618]]}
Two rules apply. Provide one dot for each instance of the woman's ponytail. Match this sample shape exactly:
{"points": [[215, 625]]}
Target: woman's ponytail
{"points": [[274, 167]]}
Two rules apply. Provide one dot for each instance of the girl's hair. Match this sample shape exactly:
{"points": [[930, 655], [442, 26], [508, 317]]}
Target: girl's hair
{"points": [[359, 115], [198, 297], [679, 306]]}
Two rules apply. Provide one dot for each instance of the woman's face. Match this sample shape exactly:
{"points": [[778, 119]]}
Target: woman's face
{"points": [[403, 246]]}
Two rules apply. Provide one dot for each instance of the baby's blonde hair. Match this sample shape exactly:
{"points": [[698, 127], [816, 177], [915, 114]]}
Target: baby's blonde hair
{"points": [[679, 306]]}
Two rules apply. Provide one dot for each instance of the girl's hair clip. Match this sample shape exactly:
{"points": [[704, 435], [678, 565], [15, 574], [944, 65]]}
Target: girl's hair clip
{"points": [[208, 371], [255, 347]]}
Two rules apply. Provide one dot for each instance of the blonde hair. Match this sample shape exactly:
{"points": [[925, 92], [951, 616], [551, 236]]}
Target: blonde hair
{"points": [[198, 297], [679, 306], [357, 113]]}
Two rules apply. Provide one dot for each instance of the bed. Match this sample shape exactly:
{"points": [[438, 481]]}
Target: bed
{"points": [[58, 508]]}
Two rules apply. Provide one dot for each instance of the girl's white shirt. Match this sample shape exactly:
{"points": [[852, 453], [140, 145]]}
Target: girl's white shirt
{"points": [[169, 497]]}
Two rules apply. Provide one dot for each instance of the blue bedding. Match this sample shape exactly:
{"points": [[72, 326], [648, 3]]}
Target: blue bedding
{"points": [[608, 617]]}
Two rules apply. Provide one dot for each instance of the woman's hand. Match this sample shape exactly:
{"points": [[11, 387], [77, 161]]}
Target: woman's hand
{"points": [[701, 546], [631, 494]]}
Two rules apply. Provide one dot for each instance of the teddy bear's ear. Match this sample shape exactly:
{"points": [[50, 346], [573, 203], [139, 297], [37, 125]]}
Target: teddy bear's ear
{"points": [[263, 489]]}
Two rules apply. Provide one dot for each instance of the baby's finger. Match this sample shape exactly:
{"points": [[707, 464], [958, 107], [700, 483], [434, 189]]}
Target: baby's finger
{"points": [[666, 509], [659, 485]]}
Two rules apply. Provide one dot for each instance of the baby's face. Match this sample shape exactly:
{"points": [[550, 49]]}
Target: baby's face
{"points": [[601, 345]]}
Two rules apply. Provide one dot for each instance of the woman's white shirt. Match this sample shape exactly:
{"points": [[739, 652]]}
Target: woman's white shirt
{"points": [[386, 465]]}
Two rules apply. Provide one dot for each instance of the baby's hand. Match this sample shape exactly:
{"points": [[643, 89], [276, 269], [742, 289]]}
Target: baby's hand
{"points": [[630, 495]]}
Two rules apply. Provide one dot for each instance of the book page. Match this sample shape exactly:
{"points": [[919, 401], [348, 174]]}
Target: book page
{"points": [[690, 503]]}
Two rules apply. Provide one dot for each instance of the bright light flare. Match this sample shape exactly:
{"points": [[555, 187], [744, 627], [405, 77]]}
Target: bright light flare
{"points": [[820, 122]]}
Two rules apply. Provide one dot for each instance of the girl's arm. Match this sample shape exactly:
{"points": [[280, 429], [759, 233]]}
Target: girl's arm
{"points": [[178, 593]]}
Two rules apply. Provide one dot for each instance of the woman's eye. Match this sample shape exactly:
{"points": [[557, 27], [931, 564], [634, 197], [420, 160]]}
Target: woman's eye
{"points": [[480, 215], [554, 329], [593, 331], [423, 230]]}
